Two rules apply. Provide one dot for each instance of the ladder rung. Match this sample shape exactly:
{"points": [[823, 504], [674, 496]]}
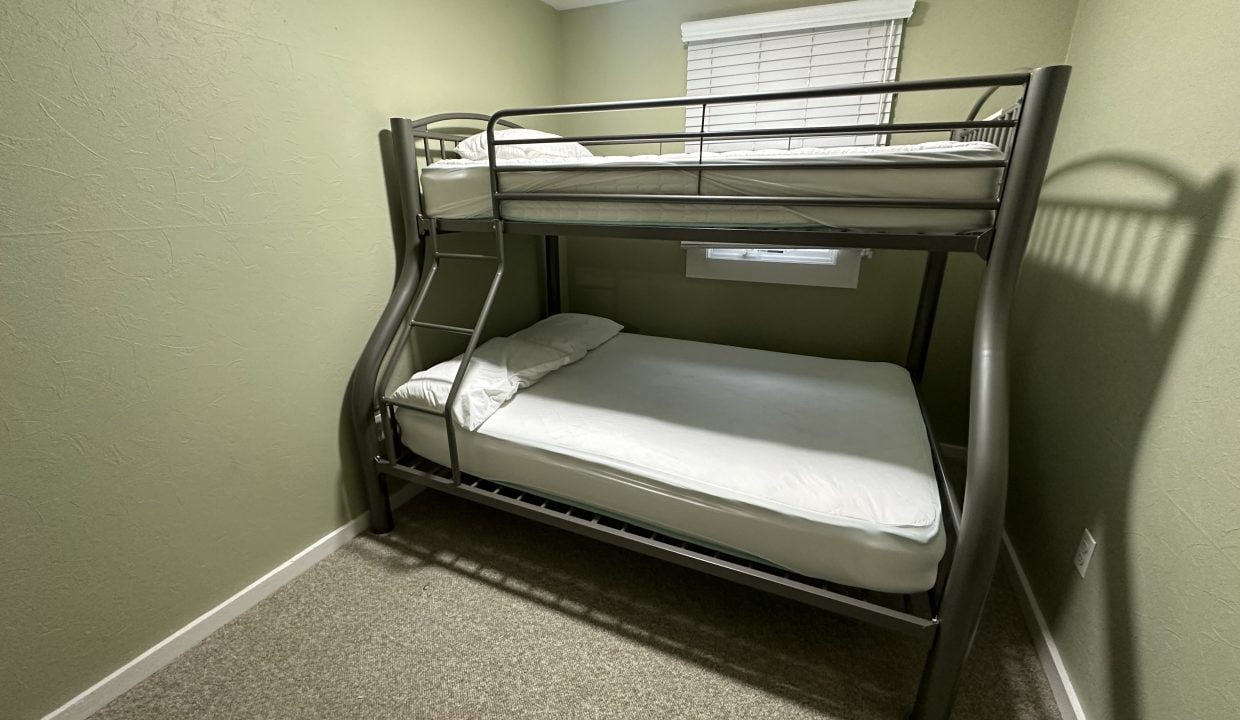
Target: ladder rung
{"points": [[466, 256], [409, 406], [445, 328]]}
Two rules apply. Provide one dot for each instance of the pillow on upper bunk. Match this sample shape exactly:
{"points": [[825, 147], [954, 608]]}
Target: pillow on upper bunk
{"points": [[474, 147], [571, 333], [499, 368]]}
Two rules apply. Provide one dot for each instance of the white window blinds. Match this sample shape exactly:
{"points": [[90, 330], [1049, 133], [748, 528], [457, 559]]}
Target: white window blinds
{"points": [[842, 43]]}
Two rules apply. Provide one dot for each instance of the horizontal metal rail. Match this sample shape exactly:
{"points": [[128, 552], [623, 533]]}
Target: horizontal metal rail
{"points": [[790, 237], [767, 133], [445, 328], [650, 542], [878, 88], [466, 256], [397, 402], [755, 200], [752, 165], [703, 136]]}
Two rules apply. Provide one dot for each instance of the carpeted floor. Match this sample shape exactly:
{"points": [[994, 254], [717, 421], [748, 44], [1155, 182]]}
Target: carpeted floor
{"points": [[466, 612]]}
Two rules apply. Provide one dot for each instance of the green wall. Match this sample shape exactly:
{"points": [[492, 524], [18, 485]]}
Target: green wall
{"points": [[1126, 408], [194, 244], [194, 241], [633, 49]]}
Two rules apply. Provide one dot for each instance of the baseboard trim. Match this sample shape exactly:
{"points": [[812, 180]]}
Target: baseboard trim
{"points": [[1048, 652], [170, 648]]}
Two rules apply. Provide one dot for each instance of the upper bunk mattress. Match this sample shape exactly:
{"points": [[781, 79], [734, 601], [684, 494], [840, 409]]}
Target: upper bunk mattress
{"points": [[819, 466], [461, 188]]}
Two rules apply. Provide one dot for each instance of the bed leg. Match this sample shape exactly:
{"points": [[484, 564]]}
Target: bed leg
{"points": [[381, 520], [958, 620]]}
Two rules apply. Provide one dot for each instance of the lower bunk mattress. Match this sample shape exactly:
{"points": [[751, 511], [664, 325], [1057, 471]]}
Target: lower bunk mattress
{"points": [[819, 466]]}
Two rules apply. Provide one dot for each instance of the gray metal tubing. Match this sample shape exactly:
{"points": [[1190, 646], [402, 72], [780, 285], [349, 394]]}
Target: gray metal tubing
{"points": [[833, 165], [551, 273], [927, 306], [464, 256], [880, 88], [440, 326], [949, 504], [449, 421], [418, 299], [982, 204], [684, 556], [975, 242], [397, 402], [411, 198], [816, 131], [1007, 79], [985, 492], [361, 395]]}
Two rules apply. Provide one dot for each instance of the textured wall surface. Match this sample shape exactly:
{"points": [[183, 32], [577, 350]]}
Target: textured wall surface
{"points": [[194, 244], [633, 49], [1127, 413]]}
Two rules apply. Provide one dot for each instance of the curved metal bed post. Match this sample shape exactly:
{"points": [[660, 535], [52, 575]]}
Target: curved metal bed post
{"points": [[985, 492], [361, 402]]}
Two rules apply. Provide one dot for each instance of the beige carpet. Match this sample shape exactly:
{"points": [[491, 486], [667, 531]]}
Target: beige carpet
{"points": [[466, 612]]}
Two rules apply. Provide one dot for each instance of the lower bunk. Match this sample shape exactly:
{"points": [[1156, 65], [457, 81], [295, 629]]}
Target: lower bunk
{"points": [[816, 472]]}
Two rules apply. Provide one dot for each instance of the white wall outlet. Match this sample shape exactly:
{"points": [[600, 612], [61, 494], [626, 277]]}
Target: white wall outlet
{"points": [[1084, 552]]}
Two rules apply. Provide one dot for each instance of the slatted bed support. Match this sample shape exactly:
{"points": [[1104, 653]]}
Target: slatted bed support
{"points": [[890, 611], [949, 612]]}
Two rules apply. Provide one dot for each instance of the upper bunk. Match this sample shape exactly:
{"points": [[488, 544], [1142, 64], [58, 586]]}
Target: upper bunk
{"points": [[938, 186]]}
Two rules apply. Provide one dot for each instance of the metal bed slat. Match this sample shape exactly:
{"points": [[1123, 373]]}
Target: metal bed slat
{"points": [[718, 563]]}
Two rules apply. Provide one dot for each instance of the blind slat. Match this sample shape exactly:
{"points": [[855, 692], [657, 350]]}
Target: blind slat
{"points": [[859, 53]]}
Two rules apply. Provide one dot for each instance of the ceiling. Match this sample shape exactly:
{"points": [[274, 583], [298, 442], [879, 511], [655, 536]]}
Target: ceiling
{"points": [[574, 4]]}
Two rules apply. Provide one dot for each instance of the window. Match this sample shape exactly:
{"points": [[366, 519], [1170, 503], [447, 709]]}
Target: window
{"points": [[840, 43], [786, 255], [801, 266]]}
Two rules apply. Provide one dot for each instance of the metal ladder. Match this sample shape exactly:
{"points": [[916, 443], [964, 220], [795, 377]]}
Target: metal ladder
{"points": [[385, 414]]}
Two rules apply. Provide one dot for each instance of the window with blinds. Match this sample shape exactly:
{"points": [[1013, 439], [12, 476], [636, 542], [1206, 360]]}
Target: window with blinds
{"points": [[837, 44], [841, 43]]}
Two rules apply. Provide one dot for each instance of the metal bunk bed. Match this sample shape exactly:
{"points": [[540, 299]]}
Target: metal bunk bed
{"points": [[949, 612]]}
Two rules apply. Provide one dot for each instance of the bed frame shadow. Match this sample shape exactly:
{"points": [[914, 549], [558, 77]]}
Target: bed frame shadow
{"points": [[818, 660], [1115, 274]]}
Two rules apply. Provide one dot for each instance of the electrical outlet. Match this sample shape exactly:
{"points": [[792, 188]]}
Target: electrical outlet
{"points": [[1084, 552]]}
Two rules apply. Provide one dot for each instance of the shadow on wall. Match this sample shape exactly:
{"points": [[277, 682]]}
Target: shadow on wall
{"points": [[1106, 287]]}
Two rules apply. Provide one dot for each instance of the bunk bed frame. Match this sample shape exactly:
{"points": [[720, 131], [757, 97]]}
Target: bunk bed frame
{"points": [[949, 612]]}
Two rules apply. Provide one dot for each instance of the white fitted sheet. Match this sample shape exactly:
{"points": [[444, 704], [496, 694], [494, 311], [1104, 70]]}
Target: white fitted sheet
{"points": [[815, 465], [461, 188]]}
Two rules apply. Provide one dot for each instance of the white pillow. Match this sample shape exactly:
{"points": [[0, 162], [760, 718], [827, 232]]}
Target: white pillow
{"points": [[474, 147], [499, 368], [571, 333]]}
